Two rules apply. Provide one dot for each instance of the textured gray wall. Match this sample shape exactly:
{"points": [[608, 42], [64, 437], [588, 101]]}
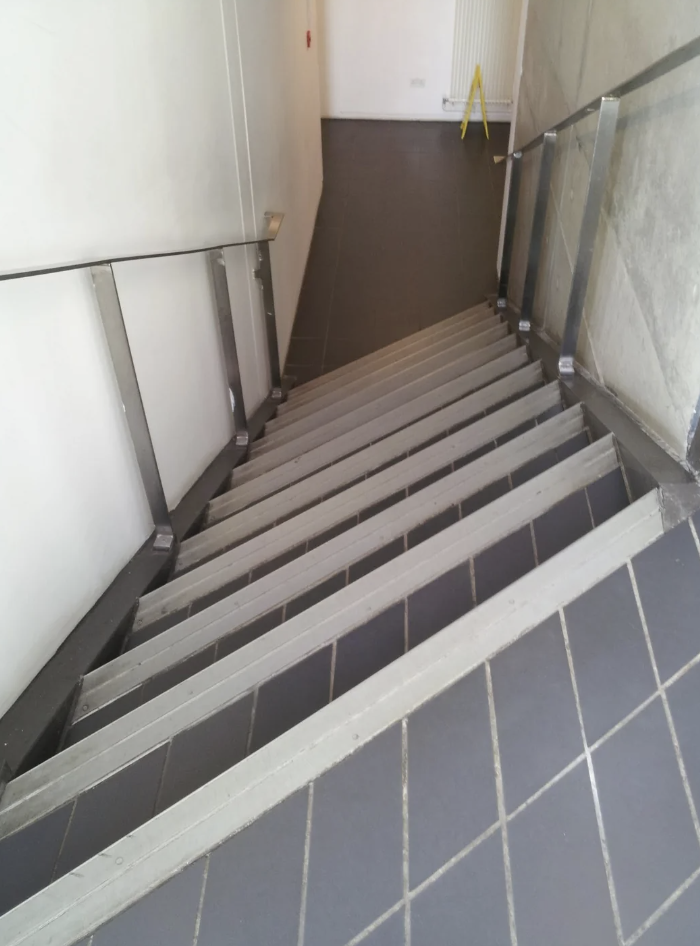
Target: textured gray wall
{"points": [[641, 333]]}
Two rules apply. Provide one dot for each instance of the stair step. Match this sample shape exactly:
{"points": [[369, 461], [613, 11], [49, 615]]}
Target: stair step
{"points": [[184, 834], [310, 389], [375, 457], [373, 392], [155, 666], [126, 760], [394, 367], [234, 569], [255, 489]]}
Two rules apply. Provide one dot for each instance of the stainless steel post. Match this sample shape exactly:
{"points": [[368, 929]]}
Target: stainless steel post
{"points": [[217, 267], [120, 351], [516, 171], [537, 234], [602, 153], [264, 274]]}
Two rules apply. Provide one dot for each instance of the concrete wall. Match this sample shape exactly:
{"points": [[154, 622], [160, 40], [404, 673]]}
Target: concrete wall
{"points": [[641, 334], [131, 127]]}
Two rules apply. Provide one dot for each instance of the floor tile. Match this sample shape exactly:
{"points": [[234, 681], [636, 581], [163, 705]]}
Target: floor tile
{"points": [[390, 933], [305, 351], [384, 504], [203, 752], [680, 925], [562, 525], [253, 892], [355, 863], [167, 915], [538, 728], [278, 561], [249, 632], [115, 710], [371, 562], [684, 702], [488, 494], [429, 480], [165, 681], [112, 809], [573, 446], [334, 532], [532, 469], [451, 776], [433, 526], [438, 604], [516, 432], [560, 889], [500, 565], [611, 660], [475, 455], [668, 578], [651, 840], [368, 649], [292, 697], [28, 857], [607, 496], [467, 904], [314, 595]]}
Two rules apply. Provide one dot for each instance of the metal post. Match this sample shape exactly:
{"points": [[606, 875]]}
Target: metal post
{"points": [[264, 274], [120, 351], [602, 153], [537, 235], [516, 172], [217, 267]]}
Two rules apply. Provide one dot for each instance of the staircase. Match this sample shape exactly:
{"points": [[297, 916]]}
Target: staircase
{"points": [[393, 689]]}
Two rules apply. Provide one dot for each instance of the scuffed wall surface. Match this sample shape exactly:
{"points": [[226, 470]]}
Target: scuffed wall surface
{"points": [[641, 332]]}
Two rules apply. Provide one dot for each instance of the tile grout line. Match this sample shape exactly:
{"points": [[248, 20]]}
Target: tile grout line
{"points": [[253, 710], [694, 533], [663, 909], [594, 785], [594, 525], [500, 796], [373, 927], [545, 788], [163, 775], [200, 908], [406, 881], [667, 709], [64, 839], [305, 868], [334, 659], [465, 852]]}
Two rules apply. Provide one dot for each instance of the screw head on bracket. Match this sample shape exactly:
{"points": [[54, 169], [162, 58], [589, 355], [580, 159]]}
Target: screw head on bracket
{"points": [[566, 366]]}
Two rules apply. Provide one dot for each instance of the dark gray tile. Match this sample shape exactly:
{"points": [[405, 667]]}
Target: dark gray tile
{"points": [[314, 595], [560, 890], [253, 892], [516, 432], [382, 506], [552, 412], [376, 559], [433, 526], [474, 456], [333, 533], [651, 840], [390, 933], [499, 566], [488, 494], [538, 728], [680, 925], [439, 604], [451, 776], [166, 915], [428, 443], [385, 466], [355, 863], [182, 671], [532, 469], [668, 577], [292, 697], [573, 446], [206, 601], [112, 809], [302, 374], [562, 525], [249, 632], [199, 754], [305, 351], [684, 701], [607, 496], [429, 480], [368, 649], [103, 717], [467, 904], [611, 660], [278, 561], [28, 857]]}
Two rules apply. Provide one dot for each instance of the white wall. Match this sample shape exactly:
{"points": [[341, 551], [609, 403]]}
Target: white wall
{"points": [[371, 53], [127, 127], [73, 507]]}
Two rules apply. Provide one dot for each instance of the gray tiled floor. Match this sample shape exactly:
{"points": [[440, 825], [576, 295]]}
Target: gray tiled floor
{"points": [[409, 840], [406, 235]]}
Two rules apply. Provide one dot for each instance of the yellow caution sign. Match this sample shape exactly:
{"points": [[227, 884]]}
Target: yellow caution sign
{"points": [[478, 82]]}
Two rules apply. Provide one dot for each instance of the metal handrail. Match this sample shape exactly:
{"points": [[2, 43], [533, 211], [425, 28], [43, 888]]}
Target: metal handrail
{"points": [[273, 228], [658, 69]]}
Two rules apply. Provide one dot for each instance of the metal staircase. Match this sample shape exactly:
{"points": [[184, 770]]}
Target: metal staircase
{"points": [[317, 721]]}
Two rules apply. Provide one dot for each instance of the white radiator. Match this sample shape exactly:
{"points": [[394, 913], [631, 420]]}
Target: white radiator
{"points": [[486, 34]]}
